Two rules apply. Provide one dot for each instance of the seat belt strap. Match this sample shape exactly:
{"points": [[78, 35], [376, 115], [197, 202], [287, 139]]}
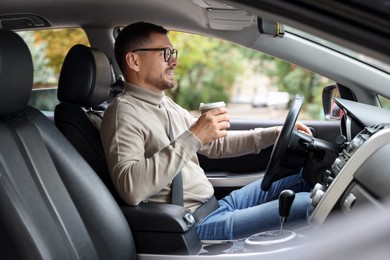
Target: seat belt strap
{"points": [[177, 182]]}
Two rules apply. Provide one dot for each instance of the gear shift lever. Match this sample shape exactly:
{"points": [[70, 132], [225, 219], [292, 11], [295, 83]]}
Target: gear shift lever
{"points": [[286, 199], [272, 237]]}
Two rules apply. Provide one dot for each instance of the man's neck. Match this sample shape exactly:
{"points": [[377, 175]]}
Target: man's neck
{"points": [[144, 94]]}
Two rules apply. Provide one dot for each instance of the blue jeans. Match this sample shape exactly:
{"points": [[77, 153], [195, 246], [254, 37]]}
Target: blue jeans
{"points": [[250, 210]]}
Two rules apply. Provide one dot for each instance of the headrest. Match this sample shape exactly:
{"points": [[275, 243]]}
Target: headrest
{"points": [[16, 73], [85, 77]]}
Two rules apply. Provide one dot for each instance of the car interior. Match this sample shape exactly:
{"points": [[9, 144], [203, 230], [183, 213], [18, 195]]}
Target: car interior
{"points": [[57, 198], [50, 210]]}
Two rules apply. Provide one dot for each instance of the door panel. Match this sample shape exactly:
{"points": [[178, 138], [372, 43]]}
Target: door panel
{"points": [[231, 173]]}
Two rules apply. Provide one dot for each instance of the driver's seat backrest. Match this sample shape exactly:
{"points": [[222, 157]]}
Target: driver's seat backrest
{"points": [[83, 88], [52, 204]]}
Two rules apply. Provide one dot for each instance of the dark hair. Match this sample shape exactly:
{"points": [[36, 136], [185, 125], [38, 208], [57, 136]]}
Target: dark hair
{"points": [[132, 37]]}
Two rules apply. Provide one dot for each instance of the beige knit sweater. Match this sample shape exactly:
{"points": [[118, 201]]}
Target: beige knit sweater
{"points": [[143, 161]]}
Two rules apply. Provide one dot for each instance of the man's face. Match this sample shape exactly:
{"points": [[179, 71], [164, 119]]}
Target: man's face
{"points": [[157, 73]]}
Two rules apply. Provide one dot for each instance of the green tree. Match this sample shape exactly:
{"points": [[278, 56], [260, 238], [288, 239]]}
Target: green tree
{"points": [[297, 80], [294, 80], [207, 69], [43, 73], [59, 42]]}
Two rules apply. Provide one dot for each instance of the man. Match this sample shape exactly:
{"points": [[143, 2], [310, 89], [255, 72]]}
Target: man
{"points": [[143, 161]]}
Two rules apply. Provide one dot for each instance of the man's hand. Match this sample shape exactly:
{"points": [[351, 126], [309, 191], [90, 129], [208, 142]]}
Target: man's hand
{"points": [[211, 125], [299, 126]]}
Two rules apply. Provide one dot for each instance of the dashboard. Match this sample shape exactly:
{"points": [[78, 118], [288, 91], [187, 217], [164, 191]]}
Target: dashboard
{"points": [[359, 175]]}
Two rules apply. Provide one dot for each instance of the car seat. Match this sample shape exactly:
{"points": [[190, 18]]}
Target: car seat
{"points": [[48, 210], [85, 83], [83, 87]]}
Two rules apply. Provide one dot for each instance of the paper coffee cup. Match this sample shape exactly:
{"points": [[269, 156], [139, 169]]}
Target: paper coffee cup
{"points": [[204, 107]]}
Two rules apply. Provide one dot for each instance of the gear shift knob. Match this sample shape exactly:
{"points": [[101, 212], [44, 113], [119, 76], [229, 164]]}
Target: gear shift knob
{"points": [[286, 199]]}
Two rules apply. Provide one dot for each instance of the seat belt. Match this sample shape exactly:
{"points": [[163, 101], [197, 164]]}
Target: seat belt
{"points": [[177, 182]]}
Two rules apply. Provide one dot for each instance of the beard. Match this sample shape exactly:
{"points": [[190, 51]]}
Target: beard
{"points": [[160, 82]]}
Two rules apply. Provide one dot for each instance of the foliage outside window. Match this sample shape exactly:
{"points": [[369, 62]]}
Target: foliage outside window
{"points": [[209, 70], [385, 102], [48, 50]]}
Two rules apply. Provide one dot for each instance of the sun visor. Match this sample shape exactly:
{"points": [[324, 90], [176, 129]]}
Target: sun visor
{"points": [[221, 16], [229, 19]]}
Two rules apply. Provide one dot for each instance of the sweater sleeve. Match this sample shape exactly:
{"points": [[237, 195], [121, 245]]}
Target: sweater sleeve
{"points": [[238, 143]]}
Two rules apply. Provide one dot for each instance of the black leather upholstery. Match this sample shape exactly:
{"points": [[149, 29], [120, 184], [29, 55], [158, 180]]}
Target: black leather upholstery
{"points": [[85, 77], [52, 204], [16, 78], [84, 84]]}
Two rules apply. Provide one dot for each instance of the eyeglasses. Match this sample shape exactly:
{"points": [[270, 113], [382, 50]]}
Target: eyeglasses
{"points": [[168, 53]]}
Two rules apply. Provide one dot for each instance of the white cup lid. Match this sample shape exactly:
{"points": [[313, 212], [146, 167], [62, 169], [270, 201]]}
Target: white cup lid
{"points": [[212, 105]]}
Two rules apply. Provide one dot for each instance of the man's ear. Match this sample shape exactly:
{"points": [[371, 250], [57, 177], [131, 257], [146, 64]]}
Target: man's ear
{"points": [[132, 61]]}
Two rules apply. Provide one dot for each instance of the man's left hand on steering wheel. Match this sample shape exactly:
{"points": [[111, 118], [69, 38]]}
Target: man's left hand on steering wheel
{"points": [[299, 126]]}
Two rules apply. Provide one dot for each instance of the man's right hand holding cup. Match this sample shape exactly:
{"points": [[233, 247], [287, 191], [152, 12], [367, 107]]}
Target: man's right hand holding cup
{"points": [[212, 124]]}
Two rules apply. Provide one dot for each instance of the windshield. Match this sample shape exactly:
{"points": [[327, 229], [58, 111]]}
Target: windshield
{"points": [[359, 56]]}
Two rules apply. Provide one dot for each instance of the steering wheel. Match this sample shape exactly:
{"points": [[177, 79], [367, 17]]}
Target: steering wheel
{"points": [[272, 174]]}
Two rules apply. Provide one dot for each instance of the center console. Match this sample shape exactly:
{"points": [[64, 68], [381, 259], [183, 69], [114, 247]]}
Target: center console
{"points": [[350, 181]]}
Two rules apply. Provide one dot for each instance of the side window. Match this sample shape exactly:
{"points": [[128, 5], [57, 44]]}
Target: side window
{"points": [[254, 85], [385, 102], [48, 49]]}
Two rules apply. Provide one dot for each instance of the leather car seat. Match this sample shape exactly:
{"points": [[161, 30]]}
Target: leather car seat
{"points": [[48, 209], [85, 83], [84, 86]]}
